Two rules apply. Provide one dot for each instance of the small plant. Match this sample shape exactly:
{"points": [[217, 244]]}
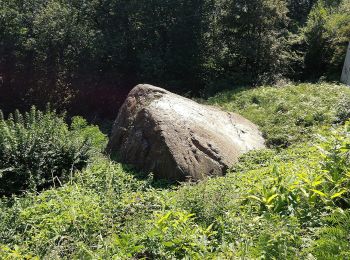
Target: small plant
{"points": [[174, 235], [336, 165], [333, 239], [343, 109], [39, 149]]}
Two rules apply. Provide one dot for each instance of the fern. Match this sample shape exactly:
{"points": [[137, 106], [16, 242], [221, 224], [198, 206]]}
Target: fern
{"points": [[39, 149], [334, 239]]}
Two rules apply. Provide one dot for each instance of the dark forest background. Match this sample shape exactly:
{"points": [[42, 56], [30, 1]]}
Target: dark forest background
{"points": [[84, 56]]}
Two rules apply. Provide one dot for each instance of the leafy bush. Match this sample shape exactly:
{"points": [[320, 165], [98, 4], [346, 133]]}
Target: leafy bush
{"points": [[39, 149], [326, 36]]}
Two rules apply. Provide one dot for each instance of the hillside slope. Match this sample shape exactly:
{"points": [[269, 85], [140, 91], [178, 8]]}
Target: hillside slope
{"points": [[286, 202]]}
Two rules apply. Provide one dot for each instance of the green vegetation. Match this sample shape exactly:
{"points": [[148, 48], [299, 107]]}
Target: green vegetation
{"points": [[84, 56], [39, 149], [289, 114], [62, 198], [327, 35], [289, 201]]}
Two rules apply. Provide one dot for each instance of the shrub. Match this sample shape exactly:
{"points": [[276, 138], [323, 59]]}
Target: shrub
{"points": [[326, 36], [39, 149]]}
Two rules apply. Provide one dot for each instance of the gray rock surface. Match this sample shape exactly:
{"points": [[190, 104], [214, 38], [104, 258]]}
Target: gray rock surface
{"points": [[345, 77], [176, 138]]}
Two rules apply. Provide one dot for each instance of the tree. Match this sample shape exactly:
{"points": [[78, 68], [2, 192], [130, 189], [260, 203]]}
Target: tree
{"points": [[298, 11], [254, 40], [327, 35]]}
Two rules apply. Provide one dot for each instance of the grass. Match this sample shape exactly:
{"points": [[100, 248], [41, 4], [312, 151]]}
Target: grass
{"points": [[289, 201], [289, 114]]}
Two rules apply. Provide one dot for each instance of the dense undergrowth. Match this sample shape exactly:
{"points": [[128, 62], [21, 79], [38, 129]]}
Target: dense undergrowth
{"points": [[289, 201], [38, 149]]}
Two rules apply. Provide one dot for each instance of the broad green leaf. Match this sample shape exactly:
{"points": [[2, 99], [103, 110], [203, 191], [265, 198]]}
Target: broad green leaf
{"points": [[319, 192]]}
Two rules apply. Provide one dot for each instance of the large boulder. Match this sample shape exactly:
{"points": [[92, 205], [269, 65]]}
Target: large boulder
{"points": [[176, 138]]}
